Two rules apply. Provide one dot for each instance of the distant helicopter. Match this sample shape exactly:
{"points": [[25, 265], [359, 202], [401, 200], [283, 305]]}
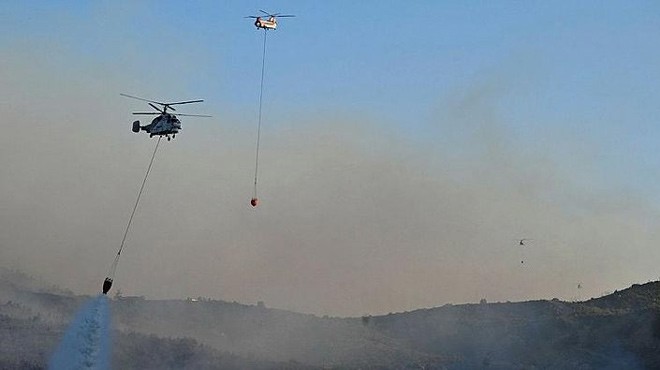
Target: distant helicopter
{"points": [[521, 242], [269, 23], [165, 124]]}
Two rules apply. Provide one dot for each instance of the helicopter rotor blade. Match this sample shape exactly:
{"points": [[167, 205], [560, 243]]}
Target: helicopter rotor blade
{"points": [[143, 99], [193, 115], [252, 16], [156, 107], [147, 113], [184, 102], [265, 12], [285, 16]]}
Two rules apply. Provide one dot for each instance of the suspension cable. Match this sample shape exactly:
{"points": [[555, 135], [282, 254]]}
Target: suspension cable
{"points": [[261, 94], [113, 267]]}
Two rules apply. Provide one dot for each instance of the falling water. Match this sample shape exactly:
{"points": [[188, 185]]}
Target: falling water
{"points": [[85, 344]]}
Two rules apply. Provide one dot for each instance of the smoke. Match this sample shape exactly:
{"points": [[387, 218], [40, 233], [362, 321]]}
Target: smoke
{"points": [[358, 215], [86, 343]]}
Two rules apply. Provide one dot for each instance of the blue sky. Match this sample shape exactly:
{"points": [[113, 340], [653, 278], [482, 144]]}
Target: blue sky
{"points": [[588, 67], [378, 51], [390, 59], [573, 83]]}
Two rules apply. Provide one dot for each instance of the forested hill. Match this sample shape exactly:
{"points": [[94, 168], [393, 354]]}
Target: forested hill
{"points": [[617, 331]]}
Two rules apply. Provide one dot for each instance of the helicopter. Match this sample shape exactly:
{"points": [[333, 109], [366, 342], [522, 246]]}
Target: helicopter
{"points": [[268, 22], [166, 123]]}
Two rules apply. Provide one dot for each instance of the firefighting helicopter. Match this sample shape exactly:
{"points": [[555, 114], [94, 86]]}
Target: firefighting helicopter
{"points": [[269, 23], [166, 123]]}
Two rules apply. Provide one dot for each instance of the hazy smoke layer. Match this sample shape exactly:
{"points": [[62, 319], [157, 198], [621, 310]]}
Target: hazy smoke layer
{"points": [[357, 214], [85, 344]]}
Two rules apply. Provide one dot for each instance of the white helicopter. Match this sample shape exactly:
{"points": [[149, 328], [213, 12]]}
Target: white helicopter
{"points": [[165, 124], [270, 21]]}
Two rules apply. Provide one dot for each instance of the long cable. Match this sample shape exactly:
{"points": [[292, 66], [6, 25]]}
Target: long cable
{"points": [[113, 267], [261, 94]]}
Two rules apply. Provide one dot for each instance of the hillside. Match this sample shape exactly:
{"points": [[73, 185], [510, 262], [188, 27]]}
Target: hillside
{"points": [[621, 330], [32, 323], [28, 342]]}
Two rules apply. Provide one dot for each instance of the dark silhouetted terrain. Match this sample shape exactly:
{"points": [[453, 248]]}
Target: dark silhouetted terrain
{"points": [[617, 331]]}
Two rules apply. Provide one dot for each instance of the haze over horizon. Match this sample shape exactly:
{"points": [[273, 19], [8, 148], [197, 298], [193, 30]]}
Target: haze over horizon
{"points": [[399, 163]]}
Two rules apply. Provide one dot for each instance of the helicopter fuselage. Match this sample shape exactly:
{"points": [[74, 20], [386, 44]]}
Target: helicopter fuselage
{"points": [[164, 125], [267, 24]]}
